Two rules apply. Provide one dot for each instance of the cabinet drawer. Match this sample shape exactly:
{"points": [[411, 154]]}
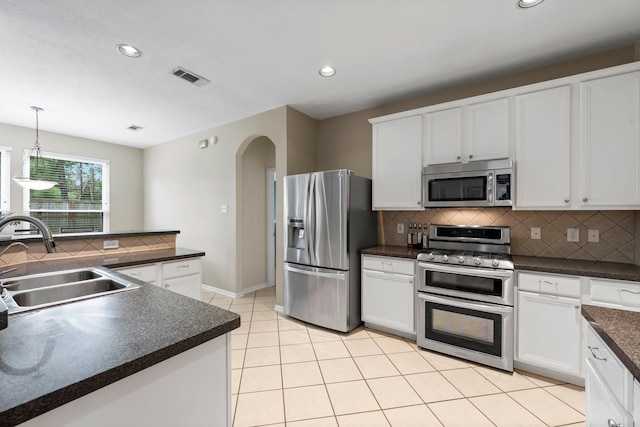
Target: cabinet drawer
{"points": [[146, 273], [616, 292], [607, 365], [180, 268], [391, 265], [549, 284]]}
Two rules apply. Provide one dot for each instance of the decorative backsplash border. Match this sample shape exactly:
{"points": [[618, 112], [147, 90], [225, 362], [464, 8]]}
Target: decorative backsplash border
{"points": [[75, 247], [619, 230]]}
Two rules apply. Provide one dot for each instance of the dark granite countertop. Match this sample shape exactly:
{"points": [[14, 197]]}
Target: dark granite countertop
{"points": [[51, 356], [605, 270], [620, 330]]}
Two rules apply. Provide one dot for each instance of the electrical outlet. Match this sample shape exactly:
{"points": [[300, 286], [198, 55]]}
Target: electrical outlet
{"points": [[573, 234], [400, 228], [110, 244], [224, 209], [594, 236], [536, 234]]}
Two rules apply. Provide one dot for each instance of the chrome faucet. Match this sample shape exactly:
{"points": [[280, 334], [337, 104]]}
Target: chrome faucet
{"points": [[47, 237]]}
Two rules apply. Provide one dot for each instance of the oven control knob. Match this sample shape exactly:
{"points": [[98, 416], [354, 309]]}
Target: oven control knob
{"points": [[495, 263], [430, 256], [477, 261], [445, 258], [460, 260]]}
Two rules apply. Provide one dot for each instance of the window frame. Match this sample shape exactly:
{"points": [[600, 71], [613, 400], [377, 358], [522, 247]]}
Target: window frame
{"points": [[71, 158], [5, 179]]}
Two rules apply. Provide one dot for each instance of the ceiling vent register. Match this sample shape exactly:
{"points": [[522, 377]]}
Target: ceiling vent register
{"points": [[190, 76]]}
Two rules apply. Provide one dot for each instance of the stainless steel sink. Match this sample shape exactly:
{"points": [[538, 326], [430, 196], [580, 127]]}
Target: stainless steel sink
{"points": [[47, 289]]}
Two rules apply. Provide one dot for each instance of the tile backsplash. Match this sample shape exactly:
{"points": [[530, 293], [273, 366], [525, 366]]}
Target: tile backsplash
{"points": [[619, 230], [85, 246]]}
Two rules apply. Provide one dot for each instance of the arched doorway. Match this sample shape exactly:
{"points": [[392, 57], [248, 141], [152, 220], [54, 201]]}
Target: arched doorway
{"points": [[256, 215]]}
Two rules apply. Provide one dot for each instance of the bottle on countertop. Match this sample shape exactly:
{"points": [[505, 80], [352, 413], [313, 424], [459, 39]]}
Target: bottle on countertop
{"points": [[419, 240], [414, 236], [410, 236], [425, 237]]}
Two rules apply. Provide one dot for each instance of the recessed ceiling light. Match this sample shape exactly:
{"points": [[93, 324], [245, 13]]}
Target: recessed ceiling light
{"points": [[523, 4], [327, 71], [128, 50]]}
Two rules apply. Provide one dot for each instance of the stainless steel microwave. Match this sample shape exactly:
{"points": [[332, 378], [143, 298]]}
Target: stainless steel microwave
{"points": [[468, 185]]}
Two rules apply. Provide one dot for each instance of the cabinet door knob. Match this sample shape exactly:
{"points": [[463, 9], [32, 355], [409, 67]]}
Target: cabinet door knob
{"points": [[166, 285], [585, 200], [612, 423], [471, 156], [458, 157], [566, 200], [418, 202]]}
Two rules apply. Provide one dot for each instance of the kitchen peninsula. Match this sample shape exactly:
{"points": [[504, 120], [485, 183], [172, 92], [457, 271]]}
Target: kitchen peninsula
{"points": [[146, 356]]}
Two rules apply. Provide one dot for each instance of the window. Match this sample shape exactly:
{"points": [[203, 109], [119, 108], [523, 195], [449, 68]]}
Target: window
{"points": [[80, 201], [5, 179]]}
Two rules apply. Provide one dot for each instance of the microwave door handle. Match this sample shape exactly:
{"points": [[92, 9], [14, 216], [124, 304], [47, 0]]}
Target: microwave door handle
{"points": [[490, 188]]}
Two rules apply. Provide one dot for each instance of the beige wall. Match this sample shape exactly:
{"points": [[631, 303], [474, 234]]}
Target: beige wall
{"points": [[256, 159], [126, 198], [301, 143], [188, 194], [345, 141]]}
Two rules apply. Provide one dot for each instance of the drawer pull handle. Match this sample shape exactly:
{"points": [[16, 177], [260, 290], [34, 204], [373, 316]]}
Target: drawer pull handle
{"points": [[627, 290], [540, 282], [593, 353], [613, 423], [134, 274], [183, 266]]}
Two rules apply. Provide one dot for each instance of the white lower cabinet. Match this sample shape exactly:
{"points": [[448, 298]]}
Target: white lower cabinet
{"points": [[549, 323], [609, 386], [183, 276], [388, 294]]}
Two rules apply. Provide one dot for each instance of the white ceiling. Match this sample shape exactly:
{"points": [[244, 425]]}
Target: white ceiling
{"points": [[61, 55]]}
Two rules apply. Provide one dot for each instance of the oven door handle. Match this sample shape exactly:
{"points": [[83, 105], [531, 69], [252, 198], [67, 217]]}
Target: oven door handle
{"points": [[496, 309], [476, 272]]}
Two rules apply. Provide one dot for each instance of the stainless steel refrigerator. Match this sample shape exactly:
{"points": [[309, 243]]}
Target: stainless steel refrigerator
{"points": [[328, 220]]}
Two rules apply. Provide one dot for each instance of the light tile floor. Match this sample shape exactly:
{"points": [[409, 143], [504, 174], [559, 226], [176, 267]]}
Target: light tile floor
{"points": [[289, 373]]}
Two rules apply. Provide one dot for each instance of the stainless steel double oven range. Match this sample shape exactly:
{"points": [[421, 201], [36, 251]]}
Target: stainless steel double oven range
{"points": [[465, 294]]}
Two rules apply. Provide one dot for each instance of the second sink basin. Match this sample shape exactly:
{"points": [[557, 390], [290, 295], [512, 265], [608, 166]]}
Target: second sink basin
{"points": [[47, 289]]}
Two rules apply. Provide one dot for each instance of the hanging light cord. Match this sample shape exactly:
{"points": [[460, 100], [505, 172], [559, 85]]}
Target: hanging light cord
{"points": [[36, 145]]}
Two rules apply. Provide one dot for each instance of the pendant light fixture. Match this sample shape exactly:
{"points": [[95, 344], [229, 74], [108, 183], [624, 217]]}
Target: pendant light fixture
{"points": [[27, 182]]}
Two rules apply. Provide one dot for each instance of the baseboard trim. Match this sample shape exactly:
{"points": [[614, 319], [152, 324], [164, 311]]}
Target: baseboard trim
{"points": [[231, 294]]}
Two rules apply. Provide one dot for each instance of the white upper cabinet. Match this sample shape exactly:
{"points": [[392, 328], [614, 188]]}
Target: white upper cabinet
{"points": [[488, 130], [543, 149], [610, 142], [475, 132], [397, 164], [443, 137]]}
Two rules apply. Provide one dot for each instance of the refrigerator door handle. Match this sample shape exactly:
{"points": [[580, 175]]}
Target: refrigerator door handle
{"points": [[340, 276], [311, 220]]}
